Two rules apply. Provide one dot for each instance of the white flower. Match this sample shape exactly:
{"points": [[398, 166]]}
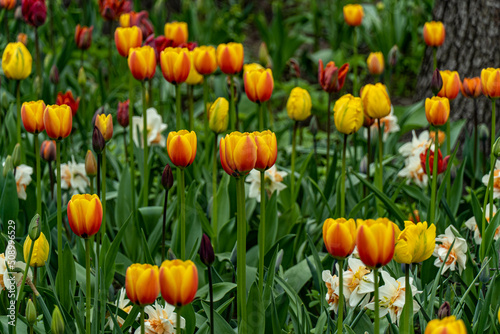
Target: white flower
{"points": [[161, 320], [472, 225], [155, 129], [496, 180], [392, 297], [23, 179], [332, 295], [389, 124], [413, 171], [417, 145], [273, 180], [73, 177], [7, 277], [122, 303], [457, 257], [358, 283]]}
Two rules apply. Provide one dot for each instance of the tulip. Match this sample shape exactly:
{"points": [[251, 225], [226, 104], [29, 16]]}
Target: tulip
{"points": [[40, 251], [437, 110], [7, 4], [58, 121], [127, 39], [85, 215], [238, 153], [122, 113], [83, 37], [141, 20], [98, 142], [68, 99], [142, 283], [440, 136], [48, 150], [207, 254], [188, 45], [376, 101], [177, 32], [415, 243], [57, 325], [167, 178], [142, 62], [178, 282], [299, 104], [230, 57], [348, 114], [175, 65], [471, 87], [112, 9], [375, 63], [22, 38], [436, 82], [451, 84], [194, 78], [375, 241], [259, 85], [16, 61], [34, 12], [105, 125], [267, 150], [330, 77], [490, 81], [339, 236], [31, 313], [353, 15], [54, 75], [434, 33], [204, 60], [90, 164], [159, 44], [124, 20], [32, 116], [445, 326], [218, 116], [181, 147], [442, 164]]}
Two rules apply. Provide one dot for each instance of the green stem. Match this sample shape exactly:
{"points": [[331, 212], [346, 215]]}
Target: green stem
{"points": [[434, 57], [292, 174], [434, 179], [59, 198], [261, 116], [211, 293], [408, 299], [377, 306], [131, 140], [38, 64], [271, 118], [380, 179], [262, 229], [145, 142], [38, 177], [207, 109], [25, 275], [182, 196], [241, 255], [474, 159], [340, 318], [178, 329], [103, 195], [178, 114], [342, 180], [191, 107], [448, 152], [214, 195], [492, 157], [232, 111], [18, 100], [328, 128], [87, 283], [355, 66], [143, 329]]}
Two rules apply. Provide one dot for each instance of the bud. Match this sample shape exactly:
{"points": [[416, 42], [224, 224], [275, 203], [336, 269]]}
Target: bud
{"points": [[82, 78], [57, 322], [380, 6], [313, 126], [264, 57], [22, 38], [48, 150], [294, 67], [34, 228], [54, 75], [30, 313], [484, 132], [484, 276], [122, 113], [90, 164], [496, 148], [363, 165], [18, 14], [444, 310], [7, 166], [437, 82], [393, 55], [170, 255], [207, 255], [98, 143], [16, 155], [167, 179]]}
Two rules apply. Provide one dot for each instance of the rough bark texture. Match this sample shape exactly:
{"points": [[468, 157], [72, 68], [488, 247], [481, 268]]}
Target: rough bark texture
{"points": [[471, 44]]}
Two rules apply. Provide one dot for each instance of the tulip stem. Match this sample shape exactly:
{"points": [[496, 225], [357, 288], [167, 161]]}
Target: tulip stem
{"points": [[408, 300], [191, 107], [434, 177], [380, 181], [328, 128], [241, 255], [448, 152], [164, 226], [342, 180], [434, 57], [38, 64], [87, 283], [182, 220], [205, 106], [492, 158], [143, 328], [474, 158], [292, 174], [178, 328], [59, 198], [262, 229], [18, 99], [261, 116], [211, 291], [232, 112], [271, 120], [215, 209], [25, 275], [340, 318], [131, 139], [178, 114], [377, 306], [38, 177], [103, 195], [145, 144], [355, 65]]}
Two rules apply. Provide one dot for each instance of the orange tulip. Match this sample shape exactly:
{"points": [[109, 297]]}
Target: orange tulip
{"points": [[177, 32], [446, 325], [7, 4], [230, 57], [85, 215], [451, 84], [434, 33], [175, 65], [205, 61], [181, 147], [142, 283], [83, 37], [267, 149], [238, 153], [471, 87], [178, 282], [375, 63], [48, 150], [68, 99], [32, 116], [490, 81], [353, 15], [375, 241], [259, 85], [437, 110], [105, 125], [339, 236], [58, 121], [127, 38], [142, 62], [194, 78]]}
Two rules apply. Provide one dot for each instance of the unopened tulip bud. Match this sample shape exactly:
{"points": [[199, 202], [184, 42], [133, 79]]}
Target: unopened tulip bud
{"points": [[98, 143], [54, 75], [167, 178], [57, 325], [363, 165], [90, 164], [30, 313], [444, 310], [16, 155], [484, 132], [48, 150], [82, 78], [171, 255], [34, 228], [122, 113], [36, 84], [437, 82], [264, 57], [496, 148], [393, 55], [313, 126], [207, 254], [7, 166], [5, 103]]}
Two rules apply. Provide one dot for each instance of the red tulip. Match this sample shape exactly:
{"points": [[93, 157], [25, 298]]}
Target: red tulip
{"points": [[67, 98], [442, 163], [83, 37], [331, 78], [34, 12]]}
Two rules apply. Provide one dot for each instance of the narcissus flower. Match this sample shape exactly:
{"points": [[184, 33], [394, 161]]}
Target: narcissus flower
{"points": [[458, 254], [267, 149], [83, 37], [194, 78], [85, 215], [142, 283], [332, 285], [376, 101], [273, 181], [496, 180], [375, 241], [473, 226], [105, 125], [353, 14], [205, 61], [218, 116], [358, 283], [375, 63], [126, 39], [34, 12], [230, 57], [23, 179], [339, 236], [445, 326], [451, 84], [74, 176], [437, 110], [238, 153], [259, 85], [442, 163], [299, 104], [142, 62], [490, 80], [348, 114], [415, 243], [58, 121], [434, 33], [331, 78], [155, 128], [178, 282], [16, 61], [177, 32], [32, 116], [175, 65], [181, 147], [68, 99], [471, 87], [40, 251]]}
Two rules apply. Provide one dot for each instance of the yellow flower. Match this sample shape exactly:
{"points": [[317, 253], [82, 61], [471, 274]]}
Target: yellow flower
{"points": [[446, 325], [194, 78], [16, 61], [218, 115], [348, 114], [299, 104], [415, 243], [40, 251], [376, 101]]}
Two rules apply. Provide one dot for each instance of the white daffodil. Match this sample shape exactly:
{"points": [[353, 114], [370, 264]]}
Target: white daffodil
{"points": [[417, 145], [273, 182], [122, 303], [155, 129], [358, 283], [389, 124], [332, 295], [7, 275], [472, 225], [457, 257], [496, 180], [413, 171], [23, 179], [392, 297], [73, 177], [161, 320]]}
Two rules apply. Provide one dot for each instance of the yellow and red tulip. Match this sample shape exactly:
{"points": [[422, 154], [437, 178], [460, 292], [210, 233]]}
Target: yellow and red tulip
{"points": [[32, 116], [238, 153], [339, 236], [353, 14], [127, 38], [451, 84], [205, 60], [181, 147], [331, 78], [259, 85], [105, 125], [442, 164], [177, 32], [194, 78], [142, 283], [437, 110], [48, 150], [83, 36], [434, 33], [142, 62], [230, 57], [471, 87], [375, 241], [58, 121], [68, 99], [7, 4], [175, 65], [375, 63], [348, 114], [446, 325], [218, 115], [490, 81], [267, 149], [85, 214], [178, 282]]}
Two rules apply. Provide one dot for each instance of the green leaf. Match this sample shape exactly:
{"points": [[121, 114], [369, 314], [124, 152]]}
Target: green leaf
{"points": [[271, 221], [255, 311], [9, 202], [220, 291], [323, 198], [66, 279], [109, 264], [488, 238], [220, 325]]}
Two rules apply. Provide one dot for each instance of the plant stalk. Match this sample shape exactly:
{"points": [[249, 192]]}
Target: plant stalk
{"points": [[215, 208], [191, 107], [342, 180], [178, 328], [143, 329], [261, 116], [328, 130], [178, 114], [241, 255], [408, 299], [59, 199], [164, 226], [340, 318], [182, 196], [377, 306], [448, 152], [492, 156], [434, 179], [131, 140], [38, 177], [232, 112], [292, 174], [474, 158], [103, 195], [262, 229], [211, 291], [18, 101], [145, 143], [87, 284]]}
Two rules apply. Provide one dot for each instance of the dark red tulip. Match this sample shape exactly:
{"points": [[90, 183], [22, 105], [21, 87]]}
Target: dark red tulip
{"points": [[331, 78], [158, 44], [34, 12], [83, 37], [112, 9], [122, 113], [141, 20], [189, 45]]}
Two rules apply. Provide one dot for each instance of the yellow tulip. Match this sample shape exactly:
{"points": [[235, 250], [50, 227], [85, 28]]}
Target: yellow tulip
{"points": [[16, 61], [445, 326], [218, 116], [415, 243], [490, 81], [375, 63], [437, 110], [376, 101], [348, 114], [194, 78], [339, 236], [299, 104], [40, 251]]}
